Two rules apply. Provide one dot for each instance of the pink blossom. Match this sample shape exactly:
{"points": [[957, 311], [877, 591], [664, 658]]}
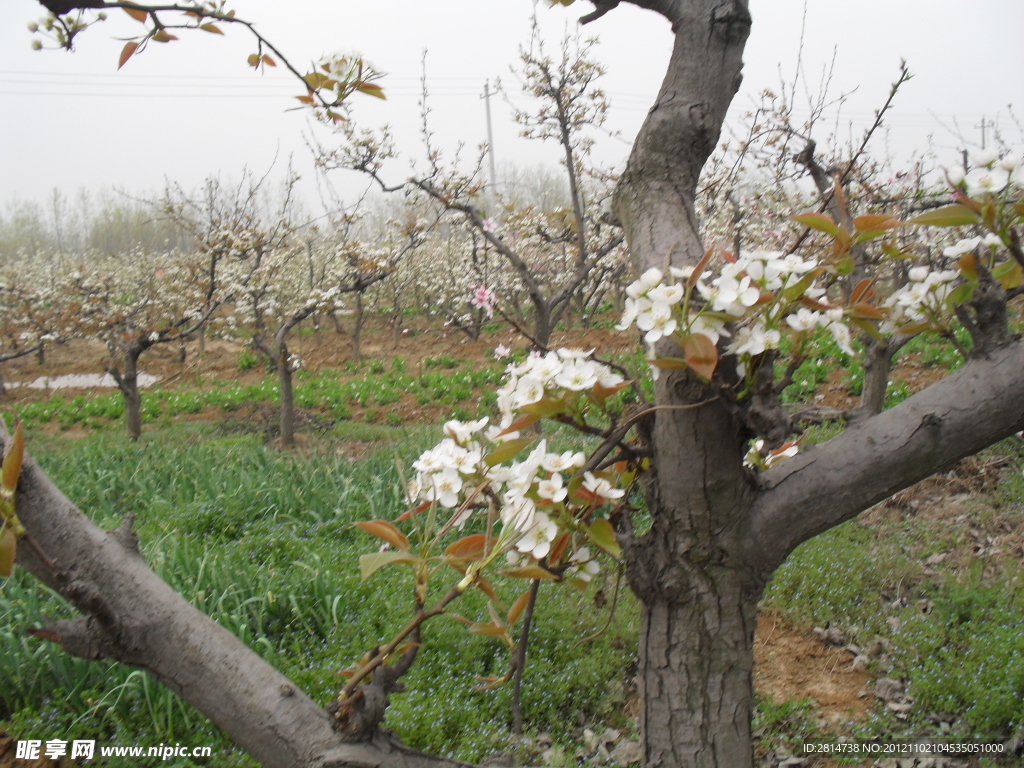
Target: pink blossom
{"points": [[483, 298]]}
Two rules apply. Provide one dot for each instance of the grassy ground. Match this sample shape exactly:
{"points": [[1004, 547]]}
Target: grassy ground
{"points": [[928, 585]]}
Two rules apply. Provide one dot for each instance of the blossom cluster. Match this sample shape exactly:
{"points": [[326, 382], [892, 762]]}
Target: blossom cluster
{"points": [[991, 175], [533, 499], [540, 375], [922, 300], [758, 295]]}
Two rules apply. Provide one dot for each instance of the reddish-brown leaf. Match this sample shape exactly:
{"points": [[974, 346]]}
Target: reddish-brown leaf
{"points": [[518, 607], [126, 53], [558, 549], [700, 354], [863, 291], [468, 548], [13, 459], [8, 549], [529, 572], [382, 529], [968, 266], [487, 629], [485, 586], [521, 423], [414, 511], [137, 13], [699, 268]]}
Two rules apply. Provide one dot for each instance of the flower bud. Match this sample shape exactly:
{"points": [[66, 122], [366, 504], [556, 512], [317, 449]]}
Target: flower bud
{"points": [[33, 27], [37, 45]]}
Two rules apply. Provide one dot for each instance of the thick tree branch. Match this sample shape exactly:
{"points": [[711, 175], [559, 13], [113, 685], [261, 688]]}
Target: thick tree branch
{"points": [[967, 411], [130, 615]]}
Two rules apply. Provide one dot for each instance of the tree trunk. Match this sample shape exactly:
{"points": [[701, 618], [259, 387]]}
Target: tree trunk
{"points": [[128, 383], [284, 380], [877, 364], [696, 688], [542, 325], [357, 328], [698, 598]]}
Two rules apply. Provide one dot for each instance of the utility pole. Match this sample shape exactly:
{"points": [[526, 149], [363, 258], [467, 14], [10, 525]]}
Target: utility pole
{"points": [[491, 202]]}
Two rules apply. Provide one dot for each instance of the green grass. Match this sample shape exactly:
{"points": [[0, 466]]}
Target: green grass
{"points": [[963, 656], [263, 544], [445, 381]]}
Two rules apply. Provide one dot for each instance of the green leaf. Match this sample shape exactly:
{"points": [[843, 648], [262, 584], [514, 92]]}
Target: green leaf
{"points": [[845, 265], [868, 328], [1008, 274], [529, 572], [369, 564], [506, 451], [544, 407], [818, 221], [960, 294], [948, 216], [799, 288], [211, 28], [603, 535], [912, 329], [668, 363]]}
